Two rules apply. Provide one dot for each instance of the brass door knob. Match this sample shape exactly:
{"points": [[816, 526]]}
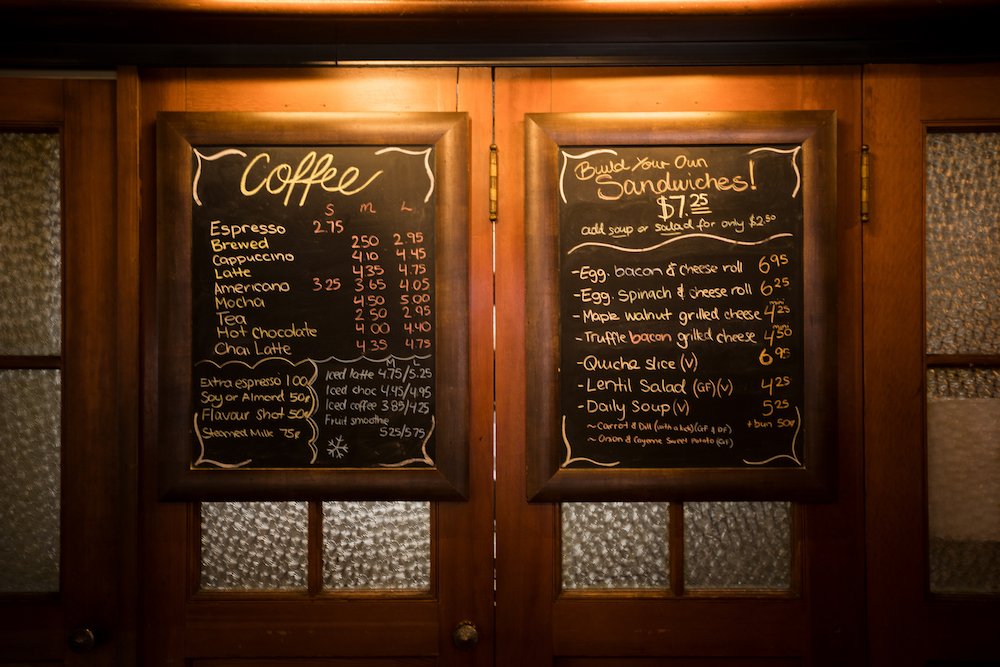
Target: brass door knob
{"points": [[82, 640], [465, 635]]}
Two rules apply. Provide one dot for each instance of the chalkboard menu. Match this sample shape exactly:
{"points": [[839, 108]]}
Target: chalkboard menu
{"points": [[306, 326], [692, 307]]}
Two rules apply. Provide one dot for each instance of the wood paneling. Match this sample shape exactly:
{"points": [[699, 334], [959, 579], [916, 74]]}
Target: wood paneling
{"points": [[465, 529], [128, 351], [92, 470], [323, 89], [893, 366], [164, 526], [526, 534], [31, 102], [704, 628]]}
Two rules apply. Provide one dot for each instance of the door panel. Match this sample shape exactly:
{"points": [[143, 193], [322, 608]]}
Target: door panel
{"points": [[209, 625], [818, 619], [911, 622], [85, 591]]}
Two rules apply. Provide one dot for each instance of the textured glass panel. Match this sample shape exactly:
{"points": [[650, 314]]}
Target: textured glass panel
{"points": [[254, 546], [29, 484], [963, 383], [963, 479], [615, 546], [30, 249], [744, 545], [963, 243], [377, 545]]}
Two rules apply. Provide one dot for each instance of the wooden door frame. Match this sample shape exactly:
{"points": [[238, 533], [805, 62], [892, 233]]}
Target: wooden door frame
{"points": [[908, 625], [96, 510]]}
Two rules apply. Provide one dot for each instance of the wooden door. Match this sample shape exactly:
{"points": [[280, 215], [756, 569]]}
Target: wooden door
{"points": [[584, 584], [931, 349], [65, 570], [267, 582]]}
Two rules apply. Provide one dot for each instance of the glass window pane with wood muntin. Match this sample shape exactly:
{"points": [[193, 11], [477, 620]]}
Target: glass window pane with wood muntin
{"points": [[963, 479], [738, 546], [254, 546], [29, 490], [962, 228], [30, 244], [377, 545], [615, 546], [30, 348]]}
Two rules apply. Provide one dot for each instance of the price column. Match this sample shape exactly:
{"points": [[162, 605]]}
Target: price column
{"points": [[414, 291], [371, 312], [777, 409]]}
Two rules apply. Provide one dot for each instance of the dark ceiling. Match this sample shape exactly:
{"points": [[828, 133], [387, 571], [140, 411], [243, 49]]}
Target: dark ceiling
{"points": [[102, 34]]}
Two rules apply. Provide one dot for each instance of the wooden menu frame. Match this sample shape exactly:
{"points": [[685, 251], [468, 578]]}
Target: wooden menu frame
{"points": [[178, 133], [552, 471]]}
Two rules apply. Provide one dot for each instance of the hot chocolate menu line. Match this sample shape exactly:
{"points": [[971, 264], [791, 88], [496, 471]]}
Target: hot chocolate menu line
{"points": [[312, 307], [681, 306]]}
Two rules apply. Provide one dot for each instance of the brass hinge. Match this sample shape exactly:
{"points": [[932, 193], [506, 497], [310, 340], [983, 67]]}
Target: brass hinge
{"points": [[493, 182], [865, 181]]}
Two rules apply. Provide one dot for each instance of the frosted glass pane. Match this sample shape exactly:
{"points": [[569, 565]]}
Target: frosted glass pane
{"points": [[29, 483], [615, 546], [963, 243], [377, 545], [963, 480], [254, 546], [30, 248], [729, 545], [963, 383]]}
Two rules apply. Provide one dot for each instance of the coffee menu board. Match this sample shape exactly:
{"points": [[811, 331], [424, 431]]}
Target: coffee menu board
{"points": [[307, 345], [691, 259]]}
